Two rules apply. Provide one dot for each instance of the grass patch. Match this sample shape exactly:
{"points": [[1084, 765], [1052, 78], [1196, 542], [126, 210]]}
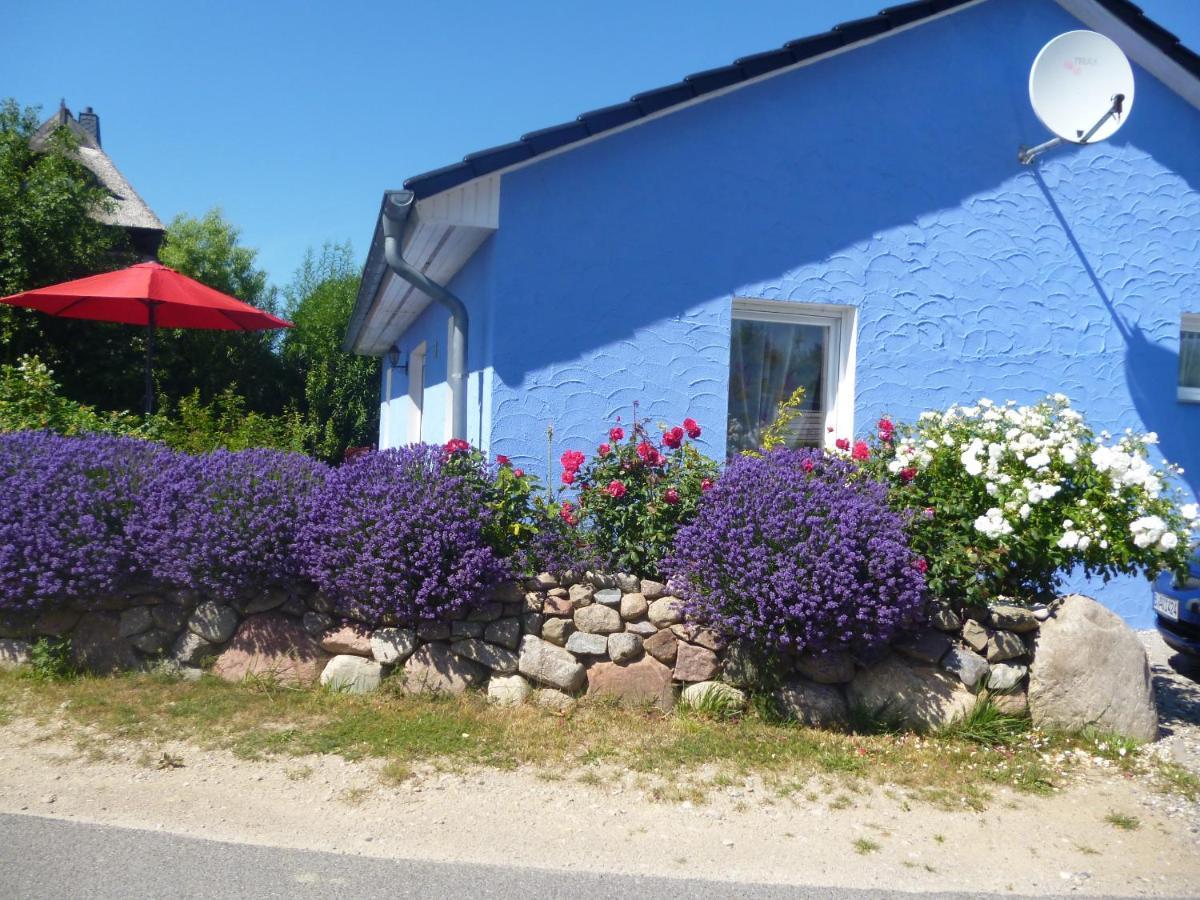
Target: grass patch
{"points": [[986, 725], [1123, 821], [953, 769], [864, 845]]}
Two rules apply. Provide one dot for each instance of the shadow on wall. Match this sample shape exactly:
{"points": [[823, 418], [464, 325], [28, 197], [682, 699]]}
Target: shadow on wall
{"points": [[1151, 371]]}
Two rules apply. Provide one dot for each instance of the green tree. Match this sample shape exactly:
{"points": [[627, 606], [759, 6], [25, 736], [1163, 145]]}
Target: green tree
{"points": [[48, 234], [340, 389], [211, 362]]}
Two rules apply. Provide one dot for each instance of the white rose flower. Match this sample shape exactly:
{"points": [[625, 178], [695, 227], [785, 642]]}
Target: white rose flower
{"points": [[1168, 541]]}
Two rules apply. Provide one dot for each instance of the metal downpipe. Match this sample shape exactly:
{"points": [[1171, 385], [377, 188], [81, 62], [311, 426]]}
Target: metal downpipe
{"points": [[397, 206]]}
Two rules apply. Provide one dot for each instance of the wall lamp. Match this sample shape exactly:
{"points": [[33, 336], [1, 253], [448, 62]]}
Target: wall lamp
{"points": [[393, 356]]}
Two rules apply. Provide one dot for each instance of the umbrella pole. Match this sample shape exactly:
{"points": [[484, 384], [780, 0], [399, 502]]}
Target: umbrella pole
{"points": [[150, 326]]}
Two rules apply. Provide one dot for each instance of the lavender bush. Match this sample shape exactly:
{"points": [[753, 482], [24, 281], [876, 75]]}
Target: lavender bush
{"points": [[796, 551], [395, 537], [223, 522], [65, 503]]}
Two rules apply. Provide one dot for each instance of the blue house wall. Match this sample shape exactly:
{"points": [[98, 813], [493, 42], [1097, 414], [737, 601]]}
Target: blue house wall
{"points": [[884, 178]]}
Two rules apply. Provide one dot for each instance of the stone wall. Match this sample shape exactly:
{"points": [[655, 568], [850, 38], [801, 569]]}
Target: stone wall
{"points": [[1071, 664]]}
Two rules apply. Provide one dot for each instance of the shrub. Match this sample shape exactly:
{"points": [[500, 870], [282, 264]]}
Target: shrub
{"points": [[225, 424], [397, 537], [223, 522], [637, 491], [66, 502], [31, 400], [1005, 500], [524, 526], [794, 551]]}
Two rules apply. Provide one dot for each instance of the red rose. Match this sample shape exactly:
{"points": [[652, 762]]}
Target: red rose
{"points": [[571, 460], [568, 477], [886, 430], [842, 443], [671, 496], [604, 450], [519, 473], [706, 484], [646, 452], [456, 445], [567, 515], [673, 438], [861, 450], [615, 489], [807, 465], [501, 459], [693, 429], [907, 475], [616, 434], [922, 566]]}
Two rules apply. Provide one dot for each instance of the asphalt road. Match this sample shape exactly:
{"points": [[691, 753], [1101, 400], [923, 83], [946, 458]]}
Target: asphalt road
{"points": [[44, 858]]}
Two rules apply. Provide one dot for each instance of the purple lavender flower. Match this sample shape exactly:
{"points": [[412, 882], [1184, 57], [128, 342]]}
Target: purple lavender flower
{"points": [[223, 522], [797, 551], [64, 504], [394, 536]]}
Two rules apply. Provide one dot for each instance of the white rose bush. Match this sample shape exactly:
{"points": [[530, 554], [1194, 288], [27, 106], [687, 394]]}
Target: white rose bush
{"points": [[1005, 500]]}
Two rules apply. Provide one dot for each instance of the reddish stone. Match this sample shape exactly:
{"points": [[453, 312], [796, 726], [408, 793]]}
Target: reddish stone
{"points": [[646, 681], [694, 663], [662, 646], [348, 640], [558, 606], [272, 645]]}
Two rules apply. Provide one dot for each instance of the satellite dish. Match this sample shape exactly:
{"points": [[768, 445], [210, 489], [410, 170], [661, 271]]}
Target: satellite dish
{"points": [[1081, 88]]}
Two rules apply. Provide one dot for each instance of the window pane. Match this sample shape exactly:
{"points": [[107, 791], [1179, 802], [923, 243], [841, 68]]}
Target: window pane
{"points": [[1189, 359], [767, 361]]}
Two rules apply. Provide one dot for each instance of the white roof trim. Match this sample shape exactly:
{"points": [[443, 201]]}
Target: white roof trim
{"points": [[1140, 50]]}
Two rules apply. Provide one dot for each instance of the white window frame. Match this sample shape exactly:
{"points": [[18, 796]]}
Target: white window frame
{"points": [[1187, 322], [838, 376], [415, 398]]}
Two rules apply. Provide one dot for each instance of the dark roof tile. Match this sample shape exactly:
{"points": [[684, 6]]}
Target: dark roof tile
{"points": [[598, 121]]}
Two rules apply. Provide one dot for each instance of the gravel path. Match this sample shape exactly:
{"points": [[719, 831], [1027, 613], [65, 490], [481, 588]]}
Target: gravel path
{"points": [[1177, 689]]}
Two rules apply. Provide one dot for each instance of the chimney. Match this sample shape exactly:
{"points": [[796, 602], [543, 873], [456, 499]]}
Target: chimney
{"points": [[90, 122]]}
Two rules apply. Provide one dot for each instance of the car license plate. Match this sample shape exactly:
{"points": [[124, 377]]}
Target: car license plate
{"points": [[1167, 607]]}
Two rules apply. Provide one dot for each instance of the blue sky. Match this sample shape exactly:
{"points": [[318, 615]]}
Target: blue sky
{"points": [[294, 117]]}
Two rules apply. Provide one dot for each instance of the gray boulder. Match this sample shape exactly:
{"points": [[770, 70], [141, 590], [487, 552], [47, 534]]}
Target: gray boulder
{"points": [[352, 674], [98, 647], [818, 705], [918, 697], [508, 690], [135, 620], [924, 646], [969, 666], [498, 659], [435, 669], [628, 584], [633, 606], [393, 645], [581, 643], [641, 629], [598, 619], [13, 653], [215, 622], [725, 697], [652, 590], [191, 650], [1090, 668], [152, 642], [664, 612], [550, 665], [558, 631], [834, 667], [505, 632], [1012, 618], [1004, 645], [610, 597], [169, 616], [316, 623], [1006, 676], [624, 647]]}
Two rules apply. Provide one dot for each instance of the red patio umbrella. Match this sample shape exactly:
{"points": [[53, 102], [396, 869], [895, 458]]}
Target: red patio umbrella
{"points": [[147, 294]]}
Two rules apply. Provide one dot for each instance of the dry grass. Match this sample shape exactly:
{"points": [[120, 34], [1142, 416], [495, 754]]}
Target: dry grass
{"points": [[255, 719]]}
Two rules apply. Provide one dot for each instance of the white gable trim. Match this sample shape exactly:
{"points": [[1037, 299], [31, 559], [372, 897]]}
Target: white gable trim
{"points": [[1137, 48]]}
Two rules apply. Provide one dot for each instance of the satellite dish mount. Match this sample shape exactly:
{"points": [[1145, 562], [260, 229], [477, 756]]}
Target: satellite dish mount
{"points": [[1073, 79]]}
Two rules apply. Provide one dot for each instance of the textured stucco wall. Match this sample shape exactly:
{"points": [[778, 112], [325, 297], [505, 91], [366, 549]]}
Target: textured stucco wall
{"points": [[884, 178]]}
